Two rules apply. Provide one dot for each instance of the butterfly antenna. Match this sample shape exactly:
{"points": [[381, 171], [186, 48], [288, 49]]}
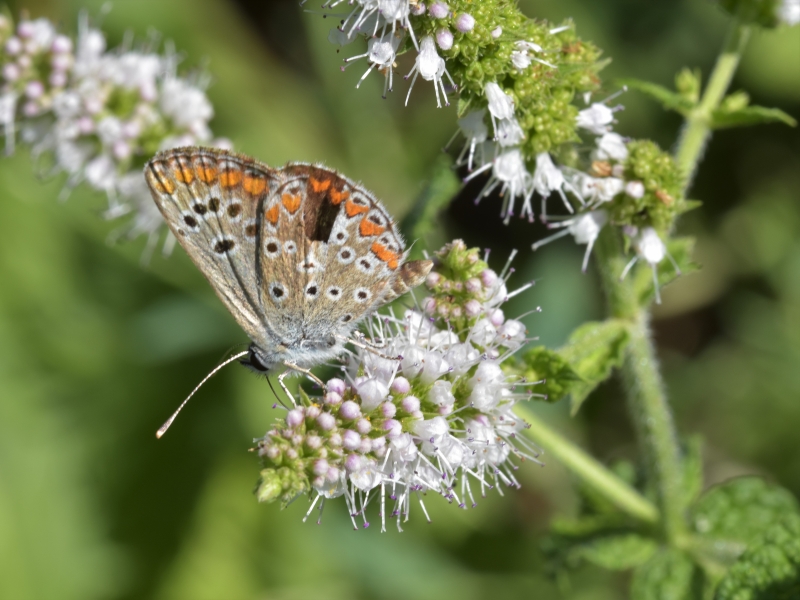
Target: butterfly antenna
{"points": [[163, 429]]}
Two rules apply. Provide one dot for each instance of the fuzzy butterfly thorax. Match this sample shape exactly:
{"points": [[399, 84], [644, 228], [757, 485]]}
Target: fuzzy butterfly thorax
{"points": [[298, 254]]}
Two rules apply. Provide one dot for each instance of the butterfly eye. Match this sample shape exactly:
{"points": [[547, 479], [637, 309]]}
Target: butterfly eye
{"points": [[290, 247], [213, 205], [347, 318], [312, 290], [334, 293]]}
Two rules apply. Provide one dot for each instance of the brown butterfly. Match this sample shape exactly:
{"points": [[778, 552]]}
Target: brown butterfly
{"points": [[298, 254]]}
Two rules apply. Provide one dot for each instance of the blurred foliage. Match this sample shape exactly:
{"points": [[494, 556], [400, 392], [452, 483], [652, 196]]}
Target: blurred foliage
{"points": [[96, 350]]}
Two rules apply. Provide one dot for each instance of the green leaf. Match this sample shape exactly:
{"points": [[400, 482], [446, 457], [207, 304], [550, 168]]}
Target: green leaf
{"points": [[668, 575], [667, 98], [692, 465], [681, 250], [558, 377], [749, 115], [733, 514], [618, 552], [770, 569], [592, 351], [440, 190]]}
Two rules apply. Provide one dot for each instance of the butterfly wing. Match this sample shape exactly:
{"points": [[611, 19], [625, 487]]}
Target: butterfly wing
{"points": [[213, 202], [354, 257]]}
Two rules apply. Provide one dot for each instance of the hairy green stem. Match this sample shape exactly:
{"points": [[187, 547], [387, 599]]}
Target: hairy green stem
{"points": [[697, 129], [590, 471], [647, 402]]}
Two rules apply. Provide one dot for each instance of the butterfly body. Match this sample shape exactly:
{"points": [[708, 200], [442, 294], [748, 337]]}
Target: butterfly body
{"points": [[298, 254]]}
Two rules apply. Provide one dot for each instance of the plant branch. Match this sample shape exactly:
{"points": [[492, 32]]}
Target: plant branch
{"points": [[647, 402], [590, 471], [697, 128]]}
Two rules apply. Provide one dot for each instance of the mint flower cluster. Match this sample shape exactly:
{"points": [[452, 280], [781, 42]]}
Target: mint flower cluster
{"points": [[430, 411], [98, 114], [525, 109]]}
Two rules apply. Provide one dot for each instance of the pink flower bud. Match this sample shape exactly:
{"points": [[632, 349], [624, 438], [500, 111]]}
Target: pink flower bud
{"points": [[438, 10], [400, 385], [326, 421], [336, 385], [351, 440], [350, 410], [444, 39], [465, 22], [295, 418]]}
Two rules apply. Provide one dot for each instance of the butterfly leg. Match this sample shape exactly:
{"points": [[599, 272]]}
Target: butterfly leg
{"points": [[286, 391], [293, 367], [366, 346]]}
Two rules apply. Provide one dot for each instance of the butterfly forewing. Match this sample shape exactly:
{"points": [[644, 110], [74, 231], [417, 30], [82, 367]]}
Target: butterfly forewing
{"points": [[299, 254], [211, 201]]}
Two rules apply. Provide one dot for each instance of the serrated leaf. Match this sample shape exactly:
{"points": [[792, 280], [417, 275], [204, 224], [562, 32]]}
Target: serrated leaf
{"points": [[541, 363], [593, 350], [770, 568], [733, 514], [667, 575], [749, 115], [681, 250], [667, 98]]}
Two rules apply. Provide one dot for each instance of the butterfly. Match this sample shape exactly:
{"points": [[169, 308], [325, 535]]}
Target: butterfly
{"points": [[298, 254]]}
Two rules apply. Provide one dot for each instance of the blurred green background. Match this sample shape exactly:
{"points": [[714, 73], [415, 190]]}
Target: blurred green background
{"points": [[96, 350]]}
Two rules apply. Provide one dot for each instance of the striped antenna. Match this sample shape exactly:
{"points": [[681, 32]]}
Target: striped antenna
{"points": [[169, 421]]}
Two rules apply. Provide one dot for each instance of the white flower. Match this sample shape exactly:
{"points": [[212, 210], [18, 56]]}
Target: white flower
{"points": [[473, 127], [381, 54], [520, 57], [597, 118], [547, 178], [650, 248], [508, 171], [501, 105], [611, 146], [584, 228], [395, 447], [431, 67]]}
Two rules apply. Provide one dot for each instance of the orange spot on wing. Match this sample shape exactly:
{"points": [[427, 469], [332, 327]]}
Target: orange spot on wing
{"points": [[206, 173], [367, 228], [385, 255], [272, 214], [182, 173], [337, 196], [291, 202], [230, 178], [319, 186], [352, 209], [254, 185], [160, 181]]}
